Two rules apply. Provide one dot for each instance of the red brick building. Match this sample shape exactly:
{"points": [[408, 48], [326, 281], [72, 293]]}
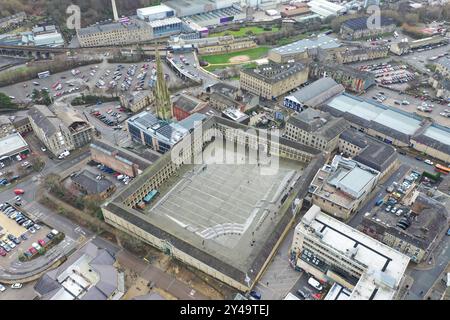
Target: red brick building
{"points": [[185, 105]]}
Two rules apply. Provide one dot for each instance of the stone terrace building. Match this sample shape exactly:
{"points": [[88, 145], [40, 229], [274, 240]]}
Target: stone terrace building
{"points": [[361, 54], [368, 151], [358, 28], [316, 129], [218, 258], [352, 79], [114, 34], [272, 80]]}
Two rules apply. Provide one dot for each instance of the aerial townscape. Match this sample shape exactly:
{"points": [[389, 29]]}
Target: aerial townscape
{"points": [[224, 150]]}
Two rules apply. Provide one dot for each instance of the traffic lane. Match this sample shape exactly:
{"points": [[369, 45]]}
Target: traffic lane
{"points": [[41, 213], [424, 279]]}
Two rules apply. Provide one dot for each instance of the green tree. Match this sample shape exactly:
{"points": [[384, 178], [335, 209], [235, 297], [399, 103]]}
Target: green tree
{"points": [[6, 102]]}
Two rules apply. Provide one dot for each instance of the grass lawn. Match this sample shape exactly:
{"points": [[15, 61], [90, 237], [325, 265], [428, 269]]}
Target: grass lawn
{"points": [[242, 32], [253, 54]]}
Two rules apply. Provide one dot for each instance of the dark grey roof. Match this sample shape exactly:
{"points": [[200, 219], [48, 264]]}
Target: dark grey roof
{"points": [[318, 92], [318, 122], [223, 88], [275, 72], [108, 278], [331, 67], [103, 258], [222, 98], [187, 103], [376, 154], [45, 119], [87, 181], [109, 27], [361, 23], [46, 284], [432, 143], [390, 132], [142, 163], [354, 137]]}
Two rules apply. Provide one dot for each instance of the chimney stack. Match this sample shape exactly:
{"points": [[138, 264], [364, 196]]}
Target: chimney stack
{"points": [[116, 16]]}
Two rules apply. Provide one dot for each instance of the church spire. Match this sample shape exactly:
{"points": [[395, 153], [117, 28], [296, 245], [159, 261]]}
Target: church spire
{"points": [[162, 96]]}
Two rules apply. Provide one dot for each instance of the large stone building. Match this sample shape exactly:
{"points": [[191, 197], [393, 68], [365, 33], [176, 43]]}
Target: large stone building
{"points": [[303, 49], [368, 151], [313, 95], [223, 45], [116, 33], [361, 54], [390, 125], [352, 79], [377, 120], [341, 187], [362, 27], [333, 251], [426, 225], [118, 159], [184, 105], [137, 101], [89, 184], [272, 80], [316, 129], [433, 140], [230, 239], [60, 130]]}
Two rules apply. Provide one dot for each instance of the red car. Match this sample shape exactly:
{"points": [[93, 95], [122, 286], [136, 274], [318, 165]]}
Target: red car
{"points": [[32, 250], [19, 191], [41, 243], [2, 252]]}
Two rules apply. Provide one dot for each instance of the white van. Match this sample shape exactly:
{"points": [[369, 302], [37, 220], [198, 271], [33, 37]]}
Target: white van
{"points": [[315, 284]]}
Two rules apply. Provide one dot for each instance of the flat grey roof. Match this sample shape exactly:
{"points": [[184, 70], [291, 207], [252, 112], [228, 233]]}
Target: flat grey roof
{"points": [[12, 143], [376, 113], [321, 41], [437, 137]]}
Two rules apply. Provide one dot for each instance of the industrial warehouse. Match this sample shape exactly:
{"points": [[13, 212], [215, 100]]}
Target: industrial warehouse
{"points": [[225, 220]]}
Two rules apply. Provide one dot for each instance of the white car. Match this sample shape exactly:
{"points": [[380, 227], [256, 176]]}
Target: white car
{"points": [[16, 286], [2, 288], [427, 161]]}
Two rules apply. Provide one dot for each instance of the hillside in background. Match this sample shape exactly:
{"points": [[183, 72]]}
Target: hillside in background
{"points": [[91, 10]]}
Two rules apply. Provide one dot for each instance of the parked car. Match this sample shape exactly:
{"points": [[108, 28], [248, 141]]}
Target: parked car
{"points": [[255, 295], [16, 286], [315, 284], [2, 288]]}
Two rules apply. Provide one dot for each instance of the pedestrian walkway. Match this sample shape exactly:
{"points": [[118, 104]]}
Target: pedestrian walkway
{"points": [[160, 278]]}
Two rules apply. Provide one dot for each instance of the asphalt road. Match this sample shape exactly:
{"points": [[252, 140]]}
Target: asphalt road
{"points": [[207, 79]]}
